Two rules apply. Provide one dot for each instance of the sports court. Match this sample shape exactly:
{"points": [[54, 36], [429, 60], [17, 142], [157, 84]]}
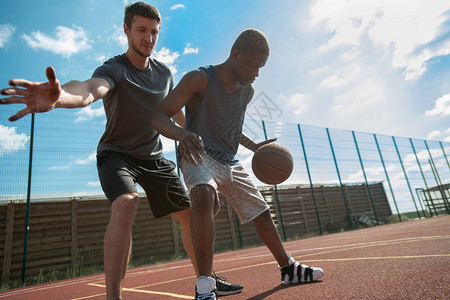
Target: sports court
{"points": [[408, 260]]}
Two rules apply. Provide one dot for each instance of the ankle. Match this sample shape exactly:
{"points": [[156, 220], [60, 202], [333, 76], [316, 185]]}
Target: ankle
{"points": [[205, 284]]}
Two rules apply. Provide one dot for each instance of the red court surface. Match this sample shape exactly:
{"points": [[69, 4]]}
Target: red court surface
{"points": [[409, 260]]}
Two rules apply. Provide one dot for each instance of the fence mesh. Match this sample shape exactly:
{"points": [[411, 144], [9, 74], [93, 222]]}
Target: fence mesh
{"points": [[64, 157]]}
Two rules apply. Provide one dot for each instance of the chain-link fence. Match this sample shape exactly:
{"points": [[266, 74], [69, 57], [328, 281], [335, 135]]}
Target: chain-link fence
{"points": [[54, 157]]}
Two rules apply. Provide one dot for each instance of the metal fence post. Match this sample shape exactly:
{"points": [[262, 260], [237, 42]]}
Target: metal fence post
{"points": [[177, 158], [436, 179], [310, 180], [406, 176], [421, 172], [387, 176], [27, 215], [340, 181], [276, 191], [445, 155], [439, 182], [365, 178], [238, 222]]}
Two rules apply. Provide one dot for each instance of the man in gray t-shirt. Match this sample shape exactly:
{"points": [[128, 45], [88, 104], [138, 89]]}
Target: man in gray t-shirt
{"points": [[143, 90], [131, 85]]}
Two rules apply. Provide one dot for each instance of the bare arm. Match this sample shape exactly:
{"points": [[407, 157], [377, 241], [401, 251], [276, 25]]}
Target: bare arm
{"points": [[190, 144], [251, 145], [44, 96], [75, 94], [179, 118]]}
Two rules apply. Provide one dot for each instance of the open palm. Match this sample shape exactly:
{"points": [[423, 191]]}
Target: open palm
{"points": [[37, 96]]}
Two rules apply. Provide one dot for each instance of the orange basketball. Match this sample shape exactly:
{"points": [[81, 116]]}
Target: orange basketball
{"points": [[272, 164]]}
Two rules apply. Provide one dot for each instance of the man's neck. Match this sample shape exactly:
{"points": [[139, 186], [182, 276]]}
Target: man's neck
{"points": [[227, 78], [137, 60]]}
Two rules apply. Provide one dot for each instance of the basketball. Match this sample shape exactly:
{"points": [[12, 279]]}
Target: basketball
{"points": [[272, 164]]}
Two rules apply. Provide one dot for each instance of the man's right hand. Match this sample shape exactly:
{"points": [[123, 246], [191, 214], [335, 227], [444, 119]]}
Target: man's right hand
{"points": [[191, 148], [38, 96]]}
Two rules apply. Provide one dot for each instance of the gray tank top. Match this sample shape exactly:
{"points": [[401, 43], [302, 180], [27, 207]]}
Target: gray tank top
{"points": [[219, 119]]}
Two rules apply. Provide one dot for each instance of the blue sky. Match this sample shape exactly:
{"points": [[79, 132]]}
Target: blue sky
{"points": [[371, 66]]}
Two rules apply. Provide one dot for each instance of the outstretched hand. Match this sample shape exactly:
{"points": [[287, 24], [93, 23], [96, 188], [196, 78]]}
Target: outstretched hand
{"points": [[37, 96], [259, 145]]}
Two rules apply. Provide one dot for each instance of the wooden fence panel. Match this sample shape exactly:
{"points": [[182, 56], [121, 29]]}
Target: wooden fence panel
{"points": [[66, 234]]}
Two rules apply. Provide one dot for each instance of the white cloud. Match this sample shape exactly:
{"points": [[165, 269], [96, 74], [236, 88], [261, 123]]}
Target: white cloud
{"points": [[11, 141], [439, 135], [363, 97], [190, 50], [88, 113], [433, 134], [299, 102], [67, 41], [333, 81], [119, 36], [6, 31], [165, 56], [402, 28], [92, 157], [441, 107], [93, 183], [57, 168], [100, 57], [168, 144], [372, 173], [177, 6]]}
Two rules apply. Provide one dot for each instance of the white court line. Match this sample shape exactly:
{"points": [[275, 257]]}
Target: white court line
{"points": [[131, 272], [337, 247]]}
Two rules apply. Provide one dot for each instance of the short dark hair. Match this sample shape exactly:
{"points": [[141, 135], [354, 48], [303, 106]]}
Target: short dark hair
{"points": [[252, 40], [140, 9]]}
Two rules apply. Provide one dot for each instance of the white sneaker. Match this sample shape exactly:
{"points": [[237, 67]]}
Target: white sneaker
{"points": [[296, 272], [205, 288]]}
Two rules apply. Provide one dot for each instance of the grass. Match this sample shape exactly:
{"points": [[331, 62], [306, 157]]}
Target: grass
{"points": [[412, 215], [53, 275]]}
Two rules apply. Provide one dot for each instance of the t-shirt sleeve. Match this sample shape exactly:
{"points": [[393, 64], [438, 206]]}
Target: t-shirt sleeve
{"points": [[172, 80], [109, 71]]}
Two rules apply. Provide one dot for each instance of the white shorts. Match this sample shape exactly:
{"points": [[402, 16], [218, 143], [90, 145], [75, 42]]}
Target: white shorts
{"points": [[232, 181]]}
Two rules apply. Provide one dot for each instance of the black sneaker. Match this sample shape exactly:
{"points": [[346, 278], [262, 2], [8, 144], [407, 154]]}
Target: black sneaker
{"points": [[296, 272], [224, 288], [207, 286]]}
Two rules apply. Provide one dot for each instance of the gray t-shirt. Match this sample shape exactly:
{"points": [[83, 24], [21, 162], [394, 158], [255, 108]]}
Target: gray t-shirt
{"points": [[132, 98]]}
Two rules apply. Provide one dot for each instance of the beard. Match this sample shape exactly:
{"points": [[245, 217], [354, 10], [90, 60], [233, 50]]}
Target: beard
{"points": [[138, 51]]}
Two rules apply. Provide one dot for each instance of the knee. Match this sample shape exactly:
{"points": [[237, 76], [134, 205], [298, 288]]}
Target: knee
{"points": [[125, 207], [264, 218], [183, 217], [203, 196]]}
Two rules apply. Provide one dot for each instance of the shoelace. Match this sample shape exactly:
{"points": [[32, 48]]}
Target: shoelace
{"points": [[206, 296], [217, 278]]}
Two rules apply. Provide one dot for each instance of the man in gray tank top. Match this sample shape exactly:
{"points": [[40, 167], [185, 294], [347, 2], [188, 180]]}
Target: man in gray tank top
{"points": [[215, 99], [130, 151]]}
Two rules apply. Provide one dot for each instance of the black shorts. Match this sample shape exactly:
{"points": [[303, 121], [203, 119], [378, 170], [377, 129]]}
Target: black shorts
{"points": [[119, 174]]}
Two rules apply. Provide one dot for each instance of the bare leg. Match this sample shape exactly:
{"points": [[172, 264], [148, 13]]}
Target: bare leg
{"points": [[268, 234], [203, 227], [117, 243], [183, 217]]}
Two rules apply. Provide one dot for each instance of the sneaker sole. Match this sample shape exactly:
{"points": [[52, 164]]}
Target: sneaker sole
{"points": [[287, 282], [226, 293]]}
